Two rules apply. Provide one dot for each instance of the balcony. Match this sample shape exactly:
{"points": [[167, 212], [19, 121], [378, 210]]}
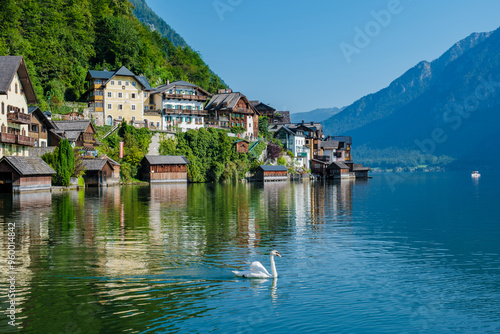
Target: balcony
{"points": [[18, 117], [184, 112], [243, 110], [185, 97], [24, 140], [7, 138]]}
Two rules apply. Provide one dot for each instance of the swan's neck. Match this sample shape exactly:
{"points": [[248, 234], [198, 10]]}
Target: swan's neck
{"points": [[273, 267]]}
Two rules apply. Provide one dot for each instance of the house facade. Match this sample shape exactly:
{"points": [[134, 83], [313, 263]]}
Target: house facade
{"points": [[266, 173], [80, 134], [294, 141], [180, 105], [227, 110], [119, 95], [39, 127], [16, 93]]}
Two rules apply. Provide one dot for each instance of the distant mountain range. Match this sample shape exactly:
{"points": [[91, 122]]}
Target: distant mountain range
{"points": [[448, 109], [317, 115]]}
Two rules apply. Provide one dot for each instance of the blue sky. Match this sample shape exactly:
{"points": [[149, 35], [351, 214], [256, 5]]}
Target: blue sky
{"points": [[298, 55]]}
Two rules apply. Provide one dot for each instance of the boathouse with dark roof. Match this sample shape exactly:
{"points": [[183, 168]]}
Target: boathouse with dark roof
{"points": [[164, 168], [20, 174], [271, 173]]}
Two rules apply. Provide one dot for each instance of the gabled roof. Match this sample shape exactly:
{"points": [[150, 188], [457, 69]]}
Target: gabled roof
{"points": [[291, 132], [166, 159], [227, 101], [329, 145], [28, 165], [94, 164], [180, 83], [74, 125], [338, 165], [261, 106], [9, 66], [36, 112], [122, 71], [271, 168]]}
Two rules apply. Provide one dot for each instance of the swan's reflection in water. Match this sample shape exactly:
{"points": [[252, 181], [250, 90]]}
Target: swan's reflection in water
{"points": [[262, 284]]}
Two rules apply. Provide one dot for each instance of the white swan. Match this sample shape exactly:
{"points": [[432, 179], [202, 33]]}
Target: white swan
{"points": [[257, 270]]}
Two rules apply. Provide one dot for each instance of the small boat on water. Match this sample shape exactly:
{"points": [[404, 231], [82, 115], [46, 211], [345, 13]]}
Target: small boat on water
{"points": [[475, 174]]}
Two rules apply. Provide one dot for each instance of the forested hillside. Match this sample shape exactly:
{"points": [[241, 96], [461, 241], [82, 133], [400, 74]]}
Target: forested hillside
{"points": [[62, 39]]}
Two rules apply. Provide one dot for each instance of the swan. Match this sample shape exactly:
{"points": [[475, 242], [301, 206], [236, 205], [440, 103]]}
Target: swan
{"points": [[257, 270]]}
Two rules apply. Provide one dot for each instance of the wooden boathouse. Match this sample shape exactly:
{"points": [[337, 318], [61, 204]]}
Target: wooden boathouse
{"points": [[271, 173], [164, 168], [19, 174]]}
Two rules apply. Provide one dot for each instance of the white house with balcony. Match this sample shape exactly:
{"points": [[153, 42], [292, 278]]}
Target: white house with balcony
{"points": [[295, 141], [180, 105]]}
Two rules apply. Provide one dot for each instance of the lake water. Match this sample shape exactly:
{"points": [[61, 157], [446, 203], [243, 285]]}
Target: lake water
{"points": [[413, 253]]}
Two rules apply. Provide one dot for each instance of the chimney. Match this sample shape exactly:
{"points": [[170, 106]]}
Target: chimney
{"points": [[312, 123], [302, 121]]}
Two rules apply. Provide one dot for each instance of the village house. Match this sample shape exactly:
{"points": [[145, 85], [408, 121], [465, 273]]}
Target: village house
{"points": [[339, 170], [294, 141], [180, 105], [16, 93], [242, 145], [271, 113], [98, 172], [312, 131], [20, 173], [80, 134], [164, 168], [119, 95], [343, 151], [227, 110], [39, 127], [271, 173]]}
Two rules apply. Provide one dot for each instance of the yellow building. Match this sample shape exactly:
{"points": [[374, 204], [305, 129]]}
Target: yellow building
{"points": [[118, 96], [16, 93]]}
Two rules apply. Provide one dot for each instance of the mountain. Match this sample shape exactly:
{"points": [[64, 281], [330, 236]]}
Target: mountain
{"points": [[316, 115], [147, 16], [435, 112], [62, 39]]}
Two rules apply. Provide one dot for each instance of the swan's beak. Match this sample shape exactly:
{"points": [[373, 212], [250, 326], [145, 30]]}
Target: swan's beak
{"points": [[278, 254]]}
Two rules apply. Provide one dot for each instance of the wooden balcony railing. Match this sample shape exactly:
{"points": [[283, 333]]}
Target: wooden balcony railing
{"points": [[24, 140], [7, 137], [185, 97], [18, 117], [184, 112]]}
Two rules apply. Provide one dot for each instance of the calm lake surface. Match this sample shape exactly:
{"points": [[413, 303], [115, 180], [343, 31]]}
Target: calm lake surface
{"points": [[416, 253]]}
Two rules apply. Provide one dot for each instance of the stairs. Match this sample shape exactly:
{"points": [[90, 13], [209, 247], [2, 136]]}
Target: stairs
{"points": [[113, 129]]}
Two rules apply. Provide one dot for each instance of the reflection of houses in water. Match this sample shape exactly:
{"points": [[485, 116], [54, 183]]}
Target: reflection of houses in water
{"points": [[29, 214], [163, 198], [331, 199], [248, 225]]}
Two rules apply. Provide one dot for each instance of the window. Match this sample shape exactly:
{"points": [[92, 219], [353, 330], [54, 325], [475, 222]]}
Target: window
{"points": [[145, 94], [119, 82], [134, 83], [109, 94], [98, 93], [120, 118], [98, 81], [133, 118], [132, 95], [157, 124], [3, 108], [127, 83], [133, 107], [120, 107], [110, 106], [16, 87], [120, 95], [112, 82], [34, 127], [98, 105]]}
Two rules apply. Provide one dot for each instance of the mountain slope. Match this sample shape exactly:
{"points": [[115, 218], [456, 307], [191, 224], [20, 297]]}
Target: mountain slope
{"points": [[400, 92], [62, 39], [441, 108], [147, 16], [316, 115]]}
